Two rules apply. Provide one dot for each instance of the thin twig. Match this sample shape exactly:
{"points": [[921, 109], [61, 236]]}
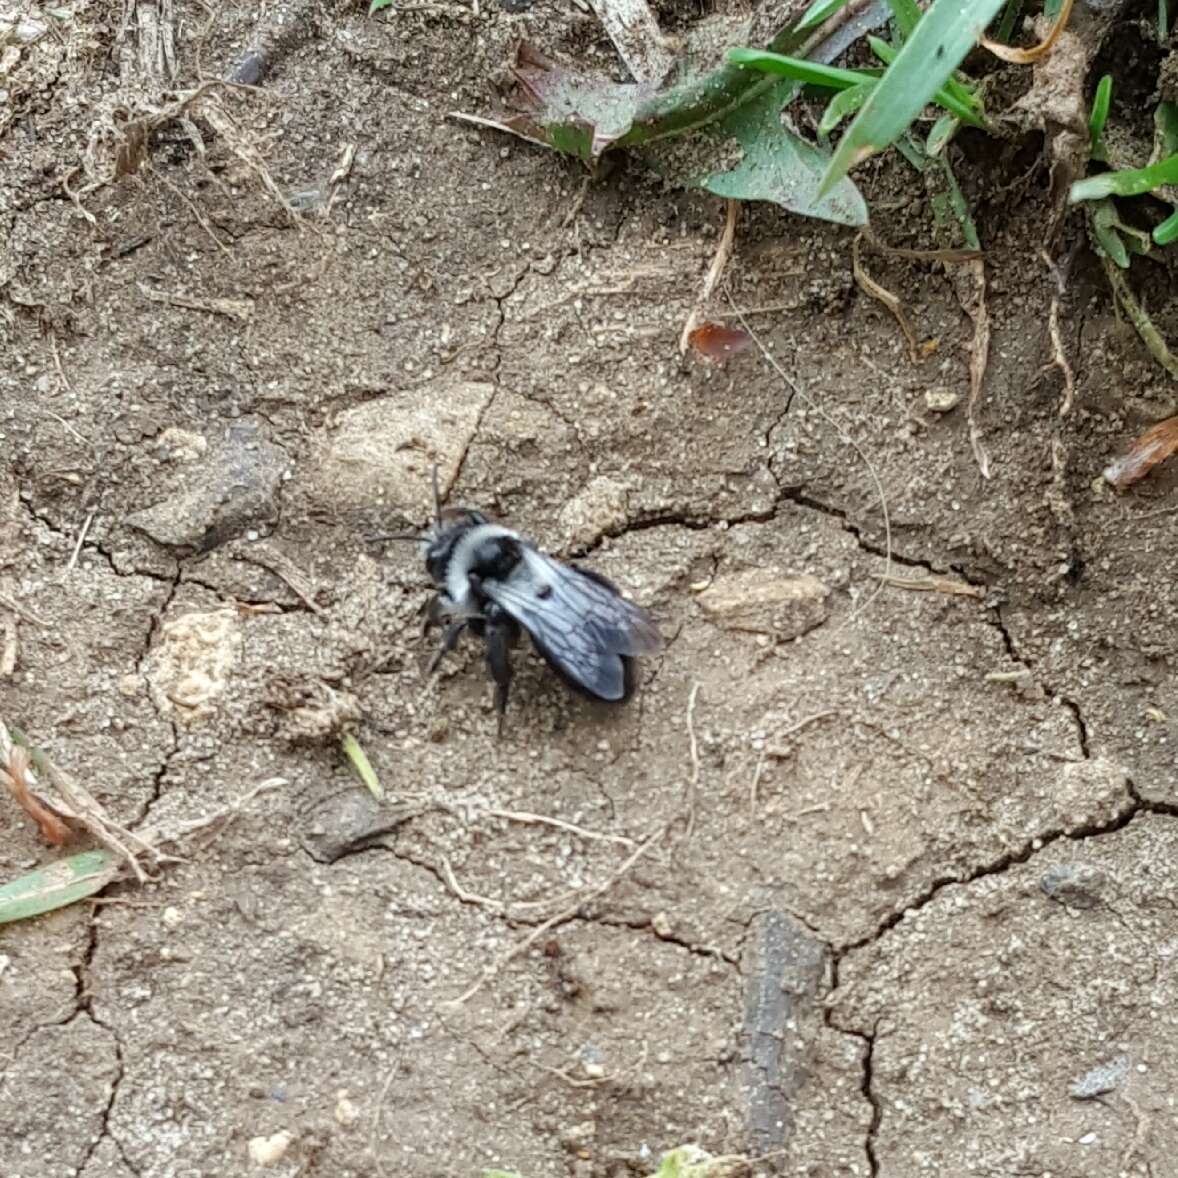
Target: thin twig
{"points": [[379, 1113], [65, 382], [693, 747], [598, 1081], [77, 200], [719, 261], [844, 435], [201, 219], [529, 819], [507, 908], [73, 560], [182, 830], [795, 728], [884, 296]]}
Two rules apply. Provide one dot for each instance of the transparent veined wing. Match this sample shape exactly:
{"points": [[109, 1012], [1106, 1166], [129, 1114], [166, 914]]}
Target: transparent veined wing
{"points": [[578, 621]]}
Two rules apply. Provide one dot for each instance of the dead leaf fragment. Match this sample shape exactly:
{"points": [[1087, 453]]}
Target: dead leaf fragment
{"points": [[15, 778], [1152, 447], [714, 342]]}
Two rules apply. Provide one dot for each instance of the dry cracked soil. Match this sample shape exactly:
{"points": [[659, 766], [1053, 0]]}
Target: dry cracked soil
{"points": [[875, 876]]}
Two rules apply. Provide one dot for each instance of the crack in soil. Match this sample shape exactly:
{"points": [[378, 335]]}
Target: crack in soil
{"points": [[1016, 656], [84, 1006], [646, 924], [1136, 805]]}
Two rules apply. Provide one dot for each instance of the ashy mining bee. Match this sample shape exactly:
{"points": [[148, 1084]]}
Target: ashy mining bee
{"points": [[493, 582]]}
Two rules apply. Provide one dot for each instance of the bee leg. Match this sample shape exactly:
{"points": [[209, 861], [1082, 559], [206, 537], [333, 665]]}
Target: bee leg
{"points": [[500, 632], [449, 640]]}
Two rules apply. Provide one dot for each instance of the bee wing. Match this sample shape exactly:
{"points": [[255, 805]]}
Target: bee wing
{"points": [[578, 620]]}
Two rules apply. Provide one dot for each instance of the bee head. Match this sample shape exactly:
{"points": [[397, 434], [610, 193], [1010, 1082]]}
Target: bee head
{"points": [[451, 524]]}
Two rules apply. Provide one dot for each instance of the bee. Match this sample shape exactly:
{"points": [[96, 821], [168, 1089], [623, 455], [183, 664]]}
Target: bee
{"points": [[494, 583]]}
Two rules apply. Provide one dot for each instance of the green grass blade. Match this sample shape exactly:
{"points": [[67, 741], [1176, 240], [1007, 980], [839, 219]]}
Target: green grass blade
{"points": [[1165, 129], [939, 44], [845, 102], [362, 765], [813, 73], [960, 207], [957, 99], [818, 12], [907, 14], [1163, 21], [912, 151], [1100, 104], [1010, 18], [1131, 182], [1167, 231], [57, 885], [943, 131]]}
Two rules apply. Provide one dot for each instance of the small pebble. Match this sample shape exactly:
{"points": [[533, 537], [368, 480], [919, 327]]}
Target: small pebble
{"points": [[346, 1112], [268, 1151], [1101, 1079], [941, 400]]}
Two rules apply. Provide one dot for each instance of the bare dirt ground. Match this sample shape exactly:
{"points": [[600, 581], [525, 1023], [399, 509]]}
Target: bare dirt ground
{"points": [[900, 867]]}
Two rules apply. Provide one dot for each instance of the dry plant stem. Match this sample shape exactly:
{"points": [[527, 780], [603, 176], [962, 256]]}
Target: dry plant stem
{"points": [[1059, 358], [978, 360], [947, 585], [845, 436], [284, 569], [565, 914], [1137, 316], [238, 309], [1036, 52], [719, 262], [881, 294], [74, 803]]}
